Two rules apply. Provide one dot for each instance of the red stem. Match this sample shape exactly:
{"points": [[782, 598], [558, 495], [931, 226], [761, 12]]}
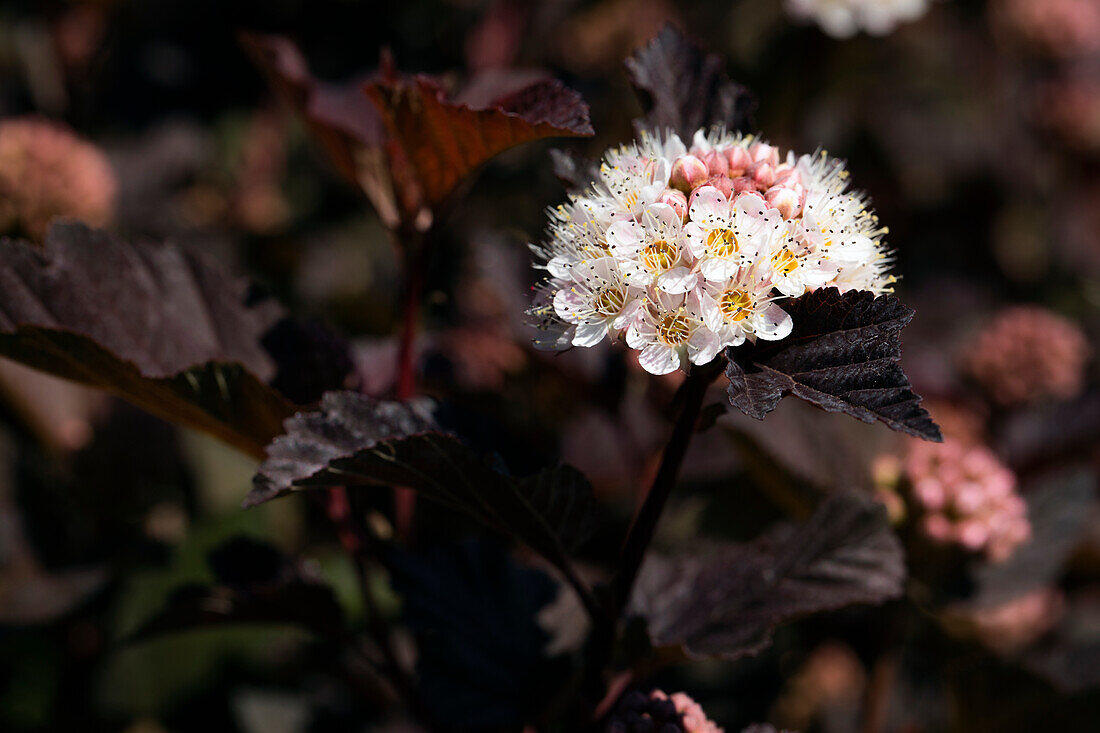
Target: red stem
{"points": [[404, 500]]}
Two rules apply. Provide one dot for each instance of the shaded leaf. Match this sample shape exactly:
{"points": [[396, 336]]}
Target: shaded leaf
{"points": [[684, 89], [1050, 433], [152, 323], [480, 655], [841, 356], [355, 440], [1069, 658], [1059, 510], [403, 140], [727, 601], [256, 584]]}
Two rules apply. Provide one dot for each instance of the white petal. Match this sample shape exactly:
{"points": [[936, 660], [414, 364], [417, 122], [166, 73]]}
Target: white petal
{"points": [[677, 280], [703, 346], [567, 304], [640, 334], [790, 287], [624, 237], [659, 359], [560, 267], [590, 334], [772, 323], [718, 269], [629, 312], [696, 239], [665, 218], [710, 207]]}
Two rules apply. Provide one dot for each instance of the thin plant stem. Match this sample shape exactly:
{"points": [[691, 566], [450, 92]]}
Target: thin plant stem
{"points": [[649, 514], [415, 248]]}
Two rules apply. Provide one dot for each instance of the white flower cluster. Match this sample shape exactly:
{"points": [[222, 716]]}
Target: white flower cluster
{"points": [[845, 18], [683, 252]]}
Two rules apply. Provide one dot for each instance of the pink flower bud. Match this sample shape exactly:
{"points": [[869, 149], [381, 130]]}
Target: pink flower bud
{"points": [[764, 153], [676, 199], [785, 199], [739, 160], [763, 174], [716, 163], [688, 173], [743, 184], [722, 183], [787, 176]]}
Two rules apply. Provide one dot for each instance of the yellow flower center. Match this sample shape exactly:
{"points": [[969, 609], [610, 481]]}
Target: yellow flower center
{"points": [[736, 305], [722, 243], [785, 261], [674, 329], [609, 301], [658, 256]]}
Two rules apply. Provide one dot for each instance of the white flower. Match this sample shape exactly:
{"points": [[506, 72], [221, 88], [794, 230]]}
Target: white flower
{"points": [[744, 308], [683, 272], [845, 18], [652, 251], [725, 238], [597, 300], [669, 332]]}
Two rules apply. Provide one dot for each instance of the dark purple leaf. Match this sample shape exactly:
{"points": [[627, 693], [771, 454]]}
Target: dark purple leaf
{"points": [[152, 323], [480, 657], [1050, 433], [726, 601], [842, 356], [684, 89], [356, 441], [256, 584]]}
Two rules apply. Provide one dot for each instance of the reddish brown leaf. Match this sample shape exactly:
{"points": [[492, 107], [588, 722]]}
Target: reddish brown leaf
{"points": [[403, 140]]}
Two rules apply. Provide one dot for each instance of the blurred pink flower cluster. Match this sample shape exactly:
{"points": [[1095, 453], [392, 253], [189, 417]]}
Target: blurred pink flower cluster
{"points": [[47, 171], [966, 497], [1028, 354], [659, 712], [1061, 27], [695, 720]]}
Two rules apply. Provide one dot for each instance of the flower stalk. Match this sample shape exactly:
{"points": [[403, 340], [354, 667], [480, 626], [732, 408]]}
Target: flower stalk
{"points": [[645, 521]]}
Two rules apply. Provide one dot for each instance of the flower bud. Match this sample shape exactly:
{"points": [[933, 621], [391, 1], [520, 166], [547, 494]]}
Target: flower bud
{"points": [[688, 173], [676, 199], [723, 184], [716, 163], [785, 175], [785, 199], [764, 153], [763, 174], [743, 184], [739, 160]]}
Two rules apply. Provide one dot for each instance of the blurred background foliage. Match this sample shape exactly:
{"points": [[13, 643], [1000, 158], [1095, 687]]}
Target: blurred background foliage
{"points": [[976, 136]]}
